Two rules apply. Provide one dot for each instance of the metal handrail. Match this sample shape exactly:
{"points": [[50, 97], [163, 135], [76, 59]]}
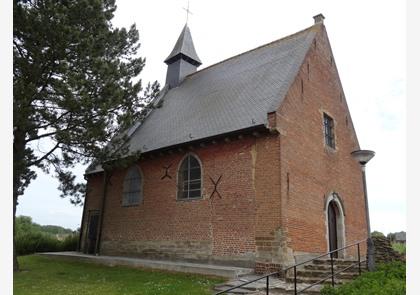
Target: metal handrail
{"points": [[330, 253], [329, 277], [267, 277]]}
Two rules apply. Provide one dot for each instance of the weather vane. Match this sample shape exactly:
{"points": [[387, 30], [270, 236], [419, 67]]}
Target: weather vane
{"points": [[187, 10]]}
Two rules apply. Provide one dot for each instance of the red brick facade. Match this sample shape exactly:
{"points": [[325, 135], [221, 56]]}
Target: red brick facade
{"points": [[273, 188]]}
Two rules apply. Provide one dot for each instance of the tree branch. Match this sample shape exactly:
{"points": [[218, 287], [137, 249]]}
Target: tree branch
{"points": [[40, 136], [19, 50], [50, 123], [43, 86], [36, 162]]}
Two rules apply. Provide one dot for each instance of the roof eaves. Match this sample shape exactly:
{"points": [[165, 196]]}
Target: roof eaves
{"points": [[95, 167]]}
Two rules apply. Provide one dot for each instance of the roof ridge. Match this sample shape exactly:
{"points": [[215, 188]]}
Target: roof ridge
{"points": [[314, 26]]}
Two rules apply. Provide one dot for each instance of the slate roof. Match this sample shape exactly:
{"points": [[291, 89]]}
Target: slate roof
{"points": [[229, 96], [184, 46]]}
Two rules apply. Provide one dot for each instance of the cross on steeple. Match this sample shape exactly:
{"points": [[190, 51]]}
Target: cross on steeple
{"points": [[187, 10]]}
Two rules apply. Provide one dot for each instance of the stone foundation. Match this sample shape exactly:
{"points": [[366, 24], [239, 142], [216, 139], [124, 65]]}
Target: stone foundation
{"points": [[265, 268], [272, 252], [158, 249], [188, 251]]}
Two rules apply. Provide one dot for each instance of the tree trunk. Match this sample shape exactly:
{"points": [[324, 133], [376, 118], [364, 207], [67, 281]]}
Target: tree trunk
{"points": [[15, 197], [18, 148]]}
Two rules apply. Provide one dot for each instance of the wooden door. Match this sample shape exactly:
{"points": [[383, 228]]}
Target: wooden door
{"points": [[332, 228], [92, 231]]}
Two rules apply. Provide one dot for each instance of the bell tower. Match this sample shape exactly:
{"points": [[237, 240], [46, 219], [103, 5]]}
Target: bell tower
{"points": [[183, 59]]}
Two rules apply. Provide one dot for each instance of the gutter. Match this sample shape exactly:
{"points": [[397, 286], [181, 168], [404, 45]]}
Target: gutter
{"points": [[261, 128]]}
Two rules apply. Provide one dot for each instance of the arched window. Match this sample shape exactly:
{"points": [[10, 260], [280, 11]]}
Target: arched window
{"points": [[132, 187], [189, 178]]}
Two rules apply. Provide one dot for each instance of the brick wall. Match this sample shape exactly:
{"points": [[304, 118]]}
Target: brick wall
{"points": [[310, 170], [273, 187], [220, 229]]}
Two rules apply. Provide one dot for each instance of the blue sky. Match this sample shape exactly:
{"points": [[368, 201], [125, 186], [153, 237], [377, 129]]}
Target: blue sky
{"points": [[369, 46]]}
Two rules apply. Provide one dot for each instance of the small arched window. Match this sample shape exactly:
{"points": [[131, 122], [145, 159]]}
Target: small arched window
{"points": [[132, 187], [189, 178]]}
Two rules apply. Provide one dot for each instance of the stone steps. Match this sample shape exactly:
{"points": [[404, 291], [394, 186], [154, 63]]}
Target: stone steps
{"points": [[236, 291], [336, 267], [337, 261], [277, 286], [311, 280], [322, 274], [321, 268], [306, 275]]}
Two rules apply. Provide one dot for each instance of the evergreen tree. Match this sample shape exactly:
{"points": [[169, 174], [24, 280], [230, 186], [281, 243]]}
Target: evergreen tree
{"points": [[377, 234], [73, 89]]}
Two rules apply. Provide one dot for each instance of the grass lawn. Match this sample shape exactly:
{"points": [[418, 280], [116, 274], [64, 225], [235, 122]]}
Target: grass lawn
{"points": [[400, 248], [388, 279], [43, 276]]}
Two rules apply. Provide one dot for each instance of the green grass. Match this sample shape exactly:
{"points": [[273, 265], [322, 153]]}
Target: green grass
{"points": [[388, 279], [400, 248], [43, 276]]}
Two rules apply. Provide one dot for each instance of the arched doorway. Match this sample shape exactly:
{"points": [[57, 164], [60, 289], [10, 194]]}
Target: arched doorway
{"points": [[332, 228], [335, 225]]}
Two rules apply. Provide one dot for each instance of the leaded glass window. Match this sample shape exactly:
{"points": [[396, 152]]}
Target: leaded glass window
{"points": [[132, 187], [329, 131], [189, 178]]}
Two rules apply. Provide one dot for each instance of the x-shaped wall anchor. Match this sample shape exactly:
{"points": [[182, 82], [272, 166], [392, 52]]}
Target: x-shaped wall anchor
{"points": [[166, 172], [215, 183]]}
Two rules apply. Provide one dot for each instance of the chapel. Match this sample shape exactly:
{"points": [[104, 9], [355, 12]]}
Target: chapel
{"points": [[246, 162]]}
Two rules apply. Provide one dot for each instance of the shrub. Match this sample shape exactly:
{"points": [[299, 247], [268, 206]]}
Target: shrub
{"points": [[31, 242], [399, 247], [55, 229], [31, 237], [387, 279], [378, 234], [69, 243]]}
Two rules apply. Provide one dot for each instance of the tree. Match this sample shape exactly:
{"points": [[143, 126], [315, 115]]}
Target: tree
{"points": [[74, 88], [377, 234], [25, 224]]}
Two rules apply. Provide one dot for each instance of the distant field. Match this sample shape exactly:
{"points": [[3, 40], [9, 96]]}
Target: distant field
{"points": [[44, 276]]}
